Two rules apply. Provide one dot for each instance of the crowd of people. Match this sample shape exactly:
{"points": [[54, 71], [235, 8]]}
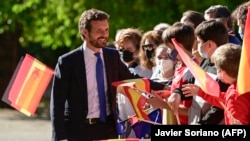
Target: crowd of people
{"points": [[210, 39]]}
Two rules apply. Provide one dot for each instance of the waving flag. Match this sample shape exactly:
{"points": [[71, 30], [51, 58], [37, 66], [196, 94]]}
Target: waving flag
{"points": [[141, 119], [207, 83], [135, 97], [243, 80], [27, 85]]}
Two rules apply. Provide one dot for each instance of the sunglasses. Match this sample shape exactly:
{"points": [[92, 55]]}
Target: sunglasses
{"points": [[147, 47]]}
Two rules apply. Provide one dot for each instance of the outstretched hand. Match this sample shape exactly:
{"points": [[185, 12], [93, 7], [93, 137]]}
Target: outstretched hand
{"points": [[190, 89], [157, 101]]}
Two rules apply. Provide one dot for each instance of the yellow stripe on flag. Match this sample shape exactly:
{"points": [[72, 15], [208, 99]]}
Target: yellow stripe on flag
{"points": [[243, 81], [135, 98], [46, 77]]}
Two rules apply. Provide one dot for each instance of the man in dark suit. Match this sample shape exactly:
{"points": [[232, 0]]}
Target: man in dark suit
{"points": [[75, 108]]}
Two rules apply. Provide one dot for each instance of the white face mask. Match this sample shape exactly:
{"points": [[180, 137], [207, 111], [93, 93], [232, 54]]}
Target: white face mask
{"points": [[202, 54], [166, 65]]}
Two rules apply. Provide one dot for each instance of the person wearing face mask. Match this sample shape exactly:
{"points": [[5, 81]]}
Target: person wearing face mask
{"points": [[184, 34], [240, 14], [210, 35], [227, 59], [164, 70], [128, 44], [150, 41]]}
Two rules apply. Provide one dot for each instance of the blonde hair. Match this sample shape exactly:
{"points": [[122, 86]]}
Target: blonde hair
{"points": [[132, 34], [227, 58]]}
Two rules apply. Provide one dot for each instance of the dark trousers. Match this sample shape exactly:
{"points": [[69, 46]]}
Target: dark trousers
{"points": [[97, 131]]}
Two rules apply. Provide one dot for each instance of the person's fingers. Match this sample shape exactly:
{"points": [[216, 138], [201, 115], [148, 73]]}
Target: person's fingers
{"points": [[172, 104], [185, 85], [185, 90], [190, 94], [151, 101]]}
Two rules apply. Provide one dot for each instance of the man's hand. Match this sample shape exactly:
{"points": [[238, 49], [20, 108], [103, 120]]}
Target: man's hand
{"points": [[174, 101]]}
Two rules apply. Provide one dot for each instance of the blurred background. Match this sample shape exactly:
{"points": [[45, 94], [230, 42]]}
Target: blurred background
{"points": [[48, 28]]}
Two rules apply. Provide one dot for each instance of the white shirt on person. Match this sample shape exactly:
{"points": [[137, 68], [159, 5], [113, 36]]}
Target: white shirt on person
{"points": [[90, 67]]}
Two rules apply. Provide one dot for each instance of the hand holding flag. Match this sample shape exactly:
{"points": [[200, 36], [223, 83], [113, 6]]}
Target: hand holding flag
{"points": [[207, 83]]}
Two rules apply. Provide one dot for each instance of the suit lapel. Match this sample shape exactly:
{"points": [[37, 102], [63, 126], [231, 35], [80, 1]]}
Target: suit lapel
{"points": [[81, 76]]}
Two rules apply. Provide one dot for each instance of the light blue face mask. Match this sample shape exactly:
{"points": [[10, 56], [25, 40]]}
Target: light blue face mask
{"points": [[202, 54], [240, 33]]}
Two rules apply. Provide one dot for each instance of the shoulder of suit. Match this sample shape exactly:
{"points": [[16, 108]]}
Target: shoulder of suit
{"points": [[110, 50], [72, 53]]}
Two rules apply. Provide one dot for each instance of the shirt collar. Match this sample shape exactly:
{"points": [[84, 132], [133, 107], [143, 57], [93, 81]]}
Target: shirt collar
{"points": [[88, 51]]}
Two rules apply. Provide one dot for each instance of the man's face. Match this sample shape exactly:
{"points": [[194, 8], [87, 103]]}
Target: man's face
{"points": [[97, 37]]}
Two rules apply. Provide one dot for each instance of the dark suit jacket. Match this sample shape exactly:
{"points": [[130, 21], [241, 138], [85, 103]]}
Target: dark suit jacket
{"points": [[69, 101]]}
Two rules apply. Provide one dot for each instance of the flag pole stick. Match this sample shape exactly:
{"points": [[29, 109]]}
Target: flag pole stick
{"points": [[148, 121], [177, 118], [144, 93]]}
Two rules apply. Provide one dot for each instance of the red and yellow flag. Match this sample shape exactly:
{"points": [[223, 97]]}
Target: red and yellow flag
{"points": [[27, 85], [207, 83], [135, 97], [243, 80]]}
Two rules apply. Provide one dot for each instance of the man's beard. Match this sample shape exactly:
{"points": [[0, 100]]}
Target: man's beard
{"points": [[98, 43]]}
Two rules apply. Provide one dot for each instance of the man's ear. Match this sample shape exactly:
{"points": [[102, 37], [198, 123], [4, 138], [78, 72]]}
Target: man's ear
{"points": [[85, 32], [212, 44]]}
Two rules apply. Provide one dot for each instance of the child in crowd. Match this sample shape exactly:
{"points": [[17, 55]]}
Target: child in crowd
{"points": [[184, 34], [237, 107], [163, 71]]}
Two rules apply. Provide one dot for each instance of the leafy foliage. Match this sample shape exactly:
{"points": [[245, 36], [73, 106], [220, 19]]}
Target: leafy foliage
{"points": [[53, 23]]}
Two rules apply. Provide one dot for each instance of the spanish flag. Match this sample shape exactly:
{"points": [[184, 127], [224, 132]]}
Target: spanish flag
{"points": [[27, 85], [136, 98], [207, 83], [243, 80]]}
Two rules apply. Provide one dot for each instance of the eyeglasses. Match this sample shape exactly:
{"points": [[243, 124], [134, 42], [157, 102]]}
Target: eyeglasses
{"points": [[147, 47]]}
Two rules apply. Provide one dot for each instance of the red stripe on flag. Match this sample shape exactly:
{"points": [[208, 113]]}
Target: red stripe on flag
{"points": [[5, 97], [207, 83], [243, 81], [19, 79]]}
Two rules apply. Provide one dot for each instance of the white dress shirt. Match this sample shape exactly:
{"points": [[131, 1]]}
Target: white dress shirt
{"points": [[93, 100]]}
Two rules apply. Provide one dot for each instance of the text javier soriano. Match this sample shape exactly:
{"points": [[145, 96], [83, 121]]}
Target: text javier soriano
{"points": [[217, 132]]}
